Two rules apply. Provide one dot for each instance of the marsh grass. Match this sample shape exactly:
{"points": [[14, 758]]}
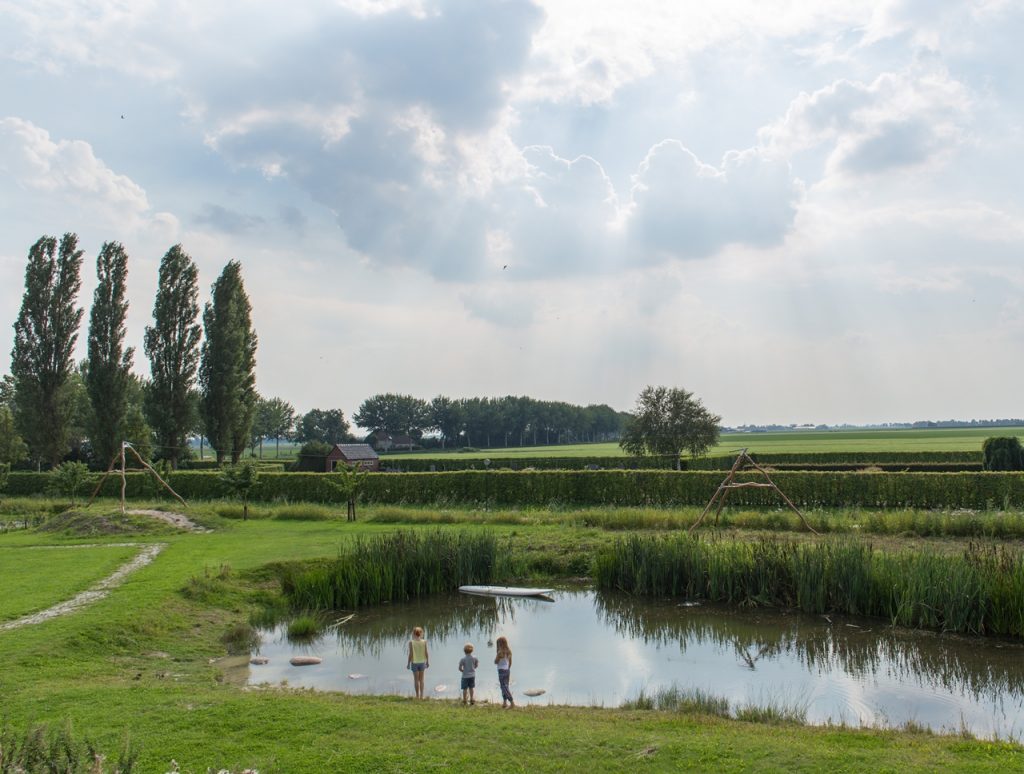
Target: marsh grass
{"points": [[46, 750], [978, 591], [209, 586], [773, 712], [675, 699], [240, 638], [395, 566], [303, 627]]}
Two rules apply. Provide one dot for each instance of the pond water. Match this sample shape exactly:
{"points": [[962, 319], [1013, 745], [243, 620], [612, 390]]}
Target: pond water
{"points": [[590, 648]]}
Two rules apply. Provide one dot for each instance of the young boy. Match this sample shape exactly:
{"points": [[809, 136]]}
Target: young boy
{"points": [[468, 665]]}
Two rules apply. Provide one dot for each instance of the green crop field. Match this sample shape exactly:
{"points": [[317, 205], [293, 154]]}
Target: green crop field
{"points": [[796, 442]]}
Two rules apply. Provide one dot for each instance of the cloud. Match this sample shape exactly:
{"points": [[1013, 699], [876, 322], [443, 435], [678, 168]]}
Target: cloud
{"points": [[684, 208], [901, 119], [66, 167], [227, 220]]}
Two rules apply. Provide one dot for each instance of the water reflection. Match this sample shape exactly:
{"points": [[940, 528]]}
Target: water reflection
{"points": [[825, 644], [590, 648]]}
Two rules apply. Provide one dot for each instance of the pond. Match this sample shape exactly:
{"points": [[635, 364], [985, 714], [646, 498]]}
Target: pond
{"points": [[590, 648]]}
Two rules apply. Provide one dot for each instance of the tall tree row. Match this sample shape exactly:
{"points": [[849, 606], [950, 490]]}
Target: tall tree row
{"points": [[172, 346], [44, 337], [227, 366], [108, 373]]}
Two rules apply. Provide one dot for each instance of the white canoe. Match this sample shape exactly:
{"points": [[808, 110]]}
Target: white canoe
{"points": [[504, 591]]}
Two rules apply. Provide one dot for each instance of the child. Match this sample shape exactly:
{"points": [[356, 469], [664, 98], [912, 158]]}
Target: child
{"points": [[419, 659], [468, 665], [504, 661]]}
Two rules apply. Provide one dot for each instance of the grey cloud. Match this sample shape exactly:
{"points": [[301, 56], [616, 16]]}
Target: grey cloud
{"points": [[292, 218], [895, 144], [686, 209], [227, 220]]}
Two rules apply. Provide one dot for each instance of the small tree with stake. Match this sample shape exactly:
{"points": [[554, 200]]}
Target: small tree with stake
{"points": [[239, 480], [68, 478], [349, 481]]}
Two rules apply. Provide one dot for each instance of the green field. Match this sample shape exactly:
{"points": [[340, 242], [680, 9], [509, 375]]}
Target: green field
{"points": [[797, 442], [68, 570], [145, 660]]}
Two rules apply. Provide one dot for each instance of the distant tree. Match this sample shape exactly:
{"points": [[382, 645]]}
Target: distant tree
{"points": [[394, 413], [12, 446], [109, 361], [312, 457], [446, 418], [227, 368], [276, 418], [5, 469], [1002, 454], [327, 426], [670, 421], [172, 346], [239, 481], [44, 337], [7, 392]]}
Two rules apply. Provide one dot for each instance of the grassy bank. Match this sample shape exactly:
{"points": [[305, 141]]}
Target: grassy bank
{"points": [[140, 661]]}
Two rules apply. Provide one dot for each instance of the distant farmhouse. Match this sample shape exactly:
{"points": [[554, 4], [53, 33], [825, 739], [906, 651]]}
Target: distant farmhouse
{"points": [[352, 454], [382, 440]]}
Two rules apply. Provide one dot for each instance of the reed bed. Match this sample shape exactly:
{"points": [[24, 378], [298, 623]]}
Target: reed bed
{"points": [[396, 566], [979, 591]]}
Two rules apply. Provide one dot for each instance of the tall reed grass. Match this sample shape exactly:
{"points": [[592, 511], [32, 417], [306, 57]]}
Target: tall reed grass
{"points": [[979, 591], [396, 566]]}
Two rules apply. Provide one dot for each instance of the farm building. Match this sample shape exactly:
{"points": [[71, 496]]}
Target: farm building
{"points": [[385, 441], [353, 454]]}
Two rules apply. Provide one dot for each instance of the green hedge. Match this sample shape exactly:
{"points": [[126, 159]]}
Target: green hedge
{"points": [[641, 487], [451, 464], [863, 458]]}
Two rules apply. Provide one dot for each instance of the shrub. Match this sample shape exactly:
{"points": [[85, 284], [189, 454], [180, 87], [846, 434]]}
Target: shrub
{"points": [[1002, 454], [312, 457]]}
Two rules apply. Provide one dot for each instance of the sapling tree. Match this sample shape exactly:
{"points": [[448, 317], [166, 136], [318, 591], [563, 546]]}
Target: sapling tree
{"points": [[68, 478], [239, 481], [348, 481]]}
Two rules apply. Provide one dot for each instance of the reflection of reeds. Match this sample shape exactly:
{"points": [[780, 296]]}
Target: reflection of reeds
{"points": [[924, 657], [396, 566], [980, 591]]}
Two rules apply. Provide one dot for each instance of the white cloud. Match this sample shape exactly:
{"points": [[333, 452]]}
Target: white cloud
{"points": [[898, 120], [66, 167]]}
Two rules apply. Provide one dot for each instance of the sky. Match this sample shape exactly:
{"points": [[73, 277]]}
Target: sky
{"points": [[803, 212]]}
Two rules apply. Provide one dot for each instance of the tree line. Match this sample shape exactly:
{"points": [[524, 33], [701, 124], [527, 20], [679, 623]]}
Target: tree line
{"points": [[202, 377], [202, 381]]}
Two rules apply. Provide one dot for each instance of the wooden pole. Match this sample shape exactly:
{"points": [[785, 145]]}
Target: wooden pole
{"points": [[151, 470], [124, 477], [96, 491], [719, 491]]}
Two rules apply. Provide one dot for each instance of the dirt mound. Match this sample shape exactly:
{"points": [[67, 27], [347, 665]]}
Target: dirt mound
{"points": [[86, 524]]}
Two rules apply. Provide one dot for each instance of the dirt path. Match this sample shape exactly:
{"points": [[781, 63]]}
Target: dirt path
{"points": [[179, 520], [148, 553]]}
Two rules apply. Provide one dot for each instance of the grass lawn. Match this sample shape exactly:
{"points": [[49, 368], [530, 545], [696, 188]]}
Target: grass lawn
{"points": [[802, 442], [139, 662], [36, 577]]}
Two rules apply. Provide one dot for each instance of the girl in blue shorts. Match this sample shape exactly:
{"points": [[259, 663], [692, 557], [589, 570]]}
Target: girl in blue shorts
{"points": [[419, 660]]}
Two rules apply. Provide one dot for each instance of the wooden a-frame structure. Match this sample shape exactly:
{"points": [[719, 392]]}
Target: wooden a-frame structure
{"points": [[124, 481], [742, 461]]}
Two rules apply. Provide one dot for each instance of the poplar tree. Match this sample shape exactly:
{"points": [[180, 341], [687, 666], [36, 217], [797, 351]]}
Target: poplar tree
{"points": [[44, 337], [227, 370], [172, 346], [110, 363]]}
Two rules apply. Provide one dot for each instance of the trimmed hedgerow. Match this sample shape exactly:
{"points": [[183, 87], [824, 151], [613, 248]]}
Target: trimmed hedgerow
{"points": [[599, 487]]}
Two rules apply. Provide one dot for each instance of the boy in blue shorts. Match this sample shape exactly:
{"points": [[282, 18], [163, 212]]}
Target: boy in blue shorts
{"points": [[468, 665]]}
